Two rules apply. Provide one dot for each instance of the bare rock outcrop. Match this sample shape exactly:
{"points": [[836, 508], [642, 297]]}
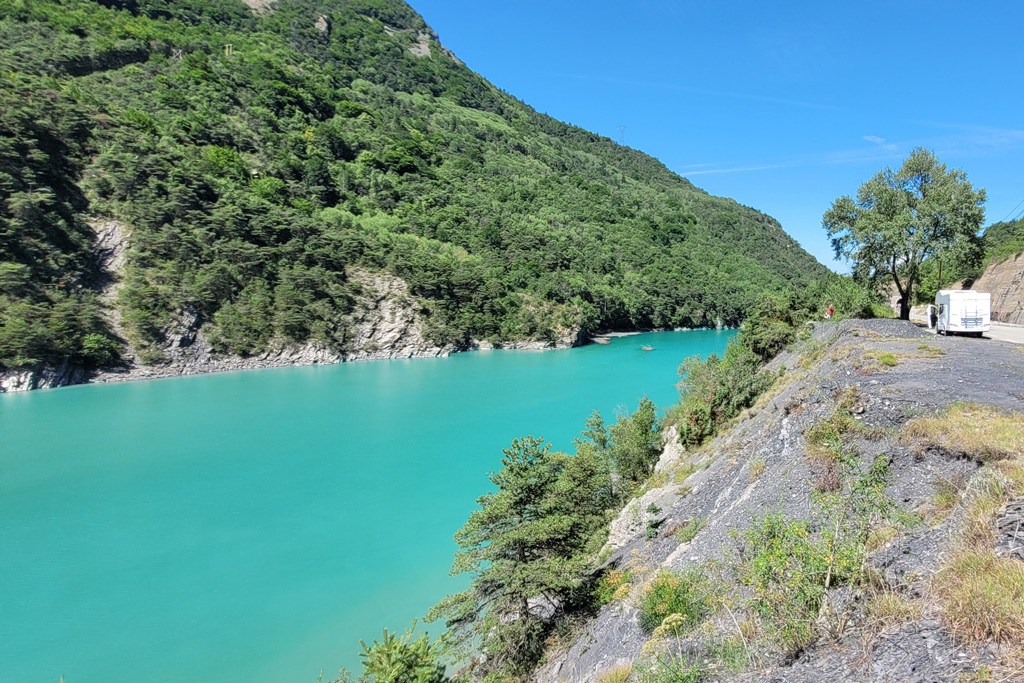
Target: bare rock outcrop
{"points": [[1005, 282], [388, 321], [260, 6], [41, 377]]}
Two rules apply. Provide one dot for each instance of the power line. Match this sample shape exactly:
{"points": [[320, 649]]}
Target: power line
{"points": [[1012, 210]]}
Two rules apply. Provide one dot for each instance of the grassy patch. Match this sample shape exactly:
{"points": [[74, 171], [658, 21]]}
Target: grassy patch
{"points": [[688, 531], [982, 594], [884, 358], [618, 674], [686, 595], [810, 352], [983, 597], [948, 493], [982, 432], [756, 469], [881, 535], [930, 351], [683, 473], [731, 653], [656, 480], [676, 670], [886, 608], [981, 675], [824, 444]]}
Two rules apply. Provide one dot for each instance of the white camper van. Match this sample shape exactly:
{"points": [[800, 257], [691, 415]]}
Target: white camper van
{"points": [[961, 311]]}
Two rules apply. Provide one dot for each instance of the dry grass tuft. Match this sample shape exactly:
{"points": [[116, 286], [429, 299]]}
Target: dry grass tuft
{"points": [[756, 469], [880, 535], [618, 674], [982, 432], [983, 597], [886, 608], [949, 491], [982, 594]]}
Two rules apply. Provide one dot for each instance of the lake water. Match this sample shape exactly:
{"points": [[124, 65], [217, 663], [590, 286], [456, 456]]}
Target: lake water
{"points": [[253, 526]]}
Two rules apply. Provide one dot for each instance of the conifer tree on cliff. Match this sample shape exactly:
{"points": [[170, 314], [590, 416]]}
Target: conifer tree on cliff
{"points": [[524, 547], [900, 219]]}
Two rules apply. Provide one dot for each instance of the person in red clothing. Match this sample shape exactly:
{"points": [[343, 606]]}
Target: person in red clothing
{"points": [[831, 311]]}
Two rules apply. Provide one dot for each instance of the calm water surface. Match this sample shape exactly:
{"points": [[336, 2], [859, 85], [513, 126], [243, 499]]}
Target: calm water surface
{"points": [[253, 526]]}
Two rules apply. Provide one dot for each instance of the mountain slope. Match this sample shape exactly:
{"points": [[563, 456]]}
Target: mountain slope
{"points": [[254, 155]]}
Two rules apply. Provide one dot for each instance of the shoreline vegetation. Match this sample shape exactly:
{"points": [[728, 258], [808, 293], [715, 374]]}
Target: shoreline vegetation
{"points": [[48, 378], [536, 549]]}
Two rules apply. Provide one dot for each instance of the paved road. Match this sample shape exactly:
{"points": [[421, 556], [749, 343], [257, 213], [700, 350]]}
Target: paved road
{"points": [[1001, 331], [1010, 333]]}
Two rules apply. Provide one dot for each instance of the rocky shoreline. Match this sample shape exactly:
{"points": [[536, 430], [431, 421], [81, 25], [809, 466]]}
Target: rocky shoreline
{"points": [[202, 360], [386, 323], [190, 354]]}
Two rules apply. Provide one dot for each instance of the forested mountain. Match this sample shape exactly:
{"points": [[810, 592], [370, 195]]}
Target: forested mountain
{"points": [[257, 151]]}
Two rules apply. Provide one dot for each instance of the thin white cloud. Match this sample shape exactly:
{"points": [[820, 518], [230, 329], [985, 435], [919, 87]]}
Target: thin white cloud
{"points": [[879, 141], [825, 159], [739, 169]]}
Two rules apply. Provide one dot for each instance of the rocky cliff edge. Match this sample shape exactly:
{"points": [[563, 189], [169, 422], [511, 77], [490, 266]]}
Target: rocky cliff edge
{"points": [[881, 376]]}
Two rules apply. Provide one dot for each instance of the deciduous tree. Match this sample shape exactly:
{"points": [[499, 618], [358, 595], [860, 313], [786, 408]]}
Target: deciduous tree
{"points": [[900, 219]]}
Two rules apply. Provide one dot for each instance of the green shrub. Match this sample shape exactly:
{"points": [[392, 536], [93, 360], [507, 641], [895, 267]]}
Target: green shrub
{"points": [[851, 299], [772, 325], [609, 584], [689, 531], [786, 572], [635, 442], [397, 659], [789, 569], [669, 593], [716, 389], [677, 670], [98, 350]]}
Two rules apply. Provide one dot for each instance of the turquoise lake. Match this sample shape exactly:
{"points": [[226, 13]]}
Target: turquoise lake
{"points": [[253, 526]]}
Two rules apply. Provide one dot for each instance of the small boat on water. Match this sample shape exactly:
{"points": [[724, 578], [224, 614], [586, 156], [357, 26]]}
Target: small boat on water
{"points": [[646, 348]]}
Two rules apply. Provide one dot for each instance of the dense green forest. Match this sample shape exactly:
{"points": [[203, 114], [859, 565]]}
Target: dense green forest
{"points": [[254, 156], [999, 242], [1003, 240]]}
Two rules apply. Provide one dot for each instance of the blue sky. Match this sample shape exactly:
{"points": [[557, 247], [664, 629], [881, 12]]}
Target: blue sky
{"points": [[781, 106]]}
